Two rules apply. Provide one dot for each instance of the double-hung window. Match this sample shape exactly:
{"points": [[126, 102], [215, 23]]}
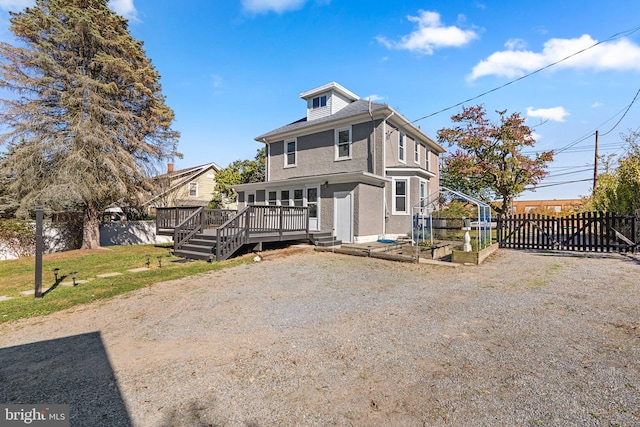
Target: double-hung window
{"points": [[416, 152], [400, 196], [401, 142], [273, 199], [428, 157], [193, 189], [291, 148], [343, 143], [284, 198]]}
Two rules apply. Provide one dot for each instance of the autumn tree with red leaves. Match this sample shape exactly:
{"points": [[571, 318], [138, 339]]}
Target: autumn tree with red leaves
{"points": [[488, 162]]}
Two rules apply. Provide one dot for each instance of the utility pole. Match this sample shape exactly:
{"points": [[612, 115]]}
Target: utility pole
{"points": [[595, 166]]}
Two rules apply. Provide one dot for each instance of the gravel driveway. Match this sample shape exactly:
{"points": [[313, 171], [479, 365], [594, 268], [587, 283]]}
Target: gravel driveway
{"points": [[319, 339]]}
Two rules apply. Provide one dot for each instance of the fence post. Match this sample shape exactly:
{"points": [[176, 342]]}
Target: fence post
{"points": [[636, 221], [39, 250]]}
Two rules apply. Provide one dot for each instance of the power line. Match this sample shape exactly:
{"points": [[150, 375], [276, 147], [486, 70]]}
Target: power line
{"points": [[625, 113], [613, 37]]}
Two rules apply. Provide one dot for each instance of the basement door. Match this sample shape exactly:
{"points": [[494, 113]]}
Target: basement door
{"points": [[343, 216]]}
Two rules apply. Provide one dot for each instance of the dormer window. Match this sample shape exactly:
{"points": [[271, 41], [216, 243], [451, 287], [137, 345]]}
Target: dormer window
{"points": [[319, 101]]}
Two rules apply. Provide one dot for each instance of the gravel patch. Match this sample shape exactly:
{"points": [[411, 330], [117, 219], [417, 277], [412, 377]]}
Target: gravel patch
{"points": [[318, 339]]}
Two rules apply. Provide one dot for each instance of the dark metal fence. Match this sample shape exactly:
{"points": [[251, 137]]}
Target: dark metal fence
{"points": [[586, 232]]}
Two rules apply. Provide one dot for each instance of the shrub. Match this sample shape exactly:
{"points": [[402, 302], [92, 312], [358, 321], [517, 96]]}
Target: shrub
{"points": [[18, 237]]}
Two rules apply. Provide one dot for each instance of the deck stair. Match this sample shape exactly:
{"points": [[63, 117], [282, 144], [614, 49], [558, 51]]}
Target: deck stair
{"points": [[201, 247], [323, 238], [210, 234]]}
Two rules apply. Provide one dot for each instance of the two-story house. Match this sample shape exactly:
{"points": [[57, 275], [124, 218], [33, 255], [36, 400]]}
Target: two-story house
{"points": [[359, 166], [192, 186]]}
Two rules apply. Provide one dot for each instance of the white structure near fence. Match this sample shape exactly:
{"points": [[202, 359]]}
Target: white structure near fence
{"points": [[111, 234]]}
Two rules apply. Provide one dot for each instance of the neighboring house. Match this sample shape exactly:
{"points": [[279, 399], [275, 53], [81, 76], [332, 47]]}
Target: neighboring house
{"points": [[545, 206], [359, 166], [186, 187]]}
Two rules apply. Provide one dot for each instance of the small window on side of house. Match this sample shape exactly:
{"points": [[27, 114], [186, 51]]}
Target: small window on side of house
{"points": [[291, 153], [416, 152], [401, 142], [428, 159], [343, 144], [400, 193], [193, 189]]}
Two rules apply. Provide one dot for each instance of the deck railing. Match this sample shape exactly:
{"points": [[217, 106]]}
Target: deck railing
{"points": [[254, 221], [188, 228], [170, 218]]}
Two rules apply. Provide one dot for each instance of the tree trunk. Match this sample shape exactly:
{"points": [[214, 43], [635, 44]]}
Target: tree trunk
{"points": [[91, 228]]}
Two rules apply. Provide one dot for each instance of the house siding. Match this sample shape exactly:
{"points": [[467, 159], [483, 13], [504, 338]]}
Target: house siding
{"points": [[370, 203], [316, 154]]}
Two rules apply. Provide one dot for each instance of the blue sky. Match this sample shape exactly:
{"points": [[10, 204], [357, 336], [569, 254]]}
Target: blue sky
{"points": [[234, 69]]}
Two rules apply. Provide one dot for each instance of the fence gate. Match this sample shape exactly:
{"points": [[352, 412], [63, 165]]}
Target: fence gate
{"points": [[587, 232]]}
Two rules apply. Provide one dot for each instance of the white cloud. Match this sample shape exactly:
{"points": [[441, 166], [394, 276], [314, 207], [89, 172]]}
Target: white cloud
{"points": [[124, 8], [278, 6], [121, 7], [430, 35], [375, 98], [556, 114], [515, 61], [596, 104]]}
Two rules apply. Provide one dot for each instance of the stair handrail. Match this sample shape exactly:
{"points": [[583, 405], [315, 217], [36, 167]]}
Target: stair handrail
{"points": [[226, 241], [182, 232]]}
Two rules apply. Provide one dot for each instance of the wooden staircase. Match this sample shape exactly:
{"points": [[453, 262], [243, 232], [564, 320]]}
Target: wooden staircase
{"points": [[206, 234], [323, 238], [201, 247]]}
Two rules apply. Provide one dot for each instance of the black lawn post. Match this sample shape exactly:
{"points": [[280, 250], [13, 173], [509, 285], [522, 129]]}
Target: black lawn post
{"points": [[39, 250]]}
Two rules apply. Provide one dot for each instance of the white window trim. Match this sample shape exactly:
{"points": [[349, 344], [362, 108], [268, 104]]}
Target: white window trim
{"points": [[427, 157], [393, 196], [416, 152], [402, 148], [336, 151], [295, 153], [194, 183]]}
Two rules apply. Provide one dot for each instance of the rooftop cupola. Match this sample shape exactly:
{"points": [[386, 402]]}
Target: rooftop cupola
{"points": [[327, 99]]}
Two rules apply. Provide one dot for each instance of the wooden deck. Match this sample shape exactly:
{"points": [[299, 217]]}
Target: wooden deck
{"points": [[217, 234]]}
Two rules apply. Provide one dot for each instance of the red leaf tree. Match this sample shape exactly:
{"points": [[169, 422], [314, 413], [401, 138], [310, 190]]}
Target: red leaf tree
{"points": [[488, 162]]}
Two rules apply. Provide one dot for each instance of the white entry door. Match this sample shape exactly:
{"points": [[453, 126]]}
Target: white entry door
{"points": [[313, 203], [343, 216]]}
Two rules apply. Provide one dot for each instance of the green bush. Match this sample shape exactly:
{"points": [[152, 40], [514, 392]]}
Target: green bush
{"points": [[18, 237]]}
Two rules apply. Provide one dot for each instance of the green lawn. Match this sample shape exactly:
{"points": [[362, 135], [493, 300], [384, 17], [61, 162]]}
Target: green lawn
{"points": [[17, 276]]}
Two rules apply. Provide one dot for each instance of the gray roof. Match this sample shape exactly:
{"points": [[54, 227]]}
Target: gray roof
{"points": [[354, 109]]}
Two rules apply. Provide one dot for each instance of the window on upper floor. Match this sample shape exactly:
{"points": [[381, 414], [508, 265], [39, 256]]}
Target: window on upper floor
{"points": [[416, 152], [343, 143], [290, 156], [319, 101], [428, 160], [401, 143], [193, 189]]}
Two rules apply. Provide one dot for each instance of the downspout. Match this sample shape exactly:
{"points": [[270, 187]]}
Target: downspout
{"points": [[384, 171], [267, 166], [373, 137]]}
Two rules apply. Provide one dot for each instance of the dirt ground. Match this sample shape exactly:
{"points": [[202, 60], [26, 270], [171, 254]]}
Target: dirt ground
{"points": [[318, 339]]}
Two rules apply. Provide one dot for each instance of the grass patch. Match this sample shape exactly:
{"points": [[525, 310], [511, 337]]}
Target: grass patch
{"points": [[18, 276]]}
